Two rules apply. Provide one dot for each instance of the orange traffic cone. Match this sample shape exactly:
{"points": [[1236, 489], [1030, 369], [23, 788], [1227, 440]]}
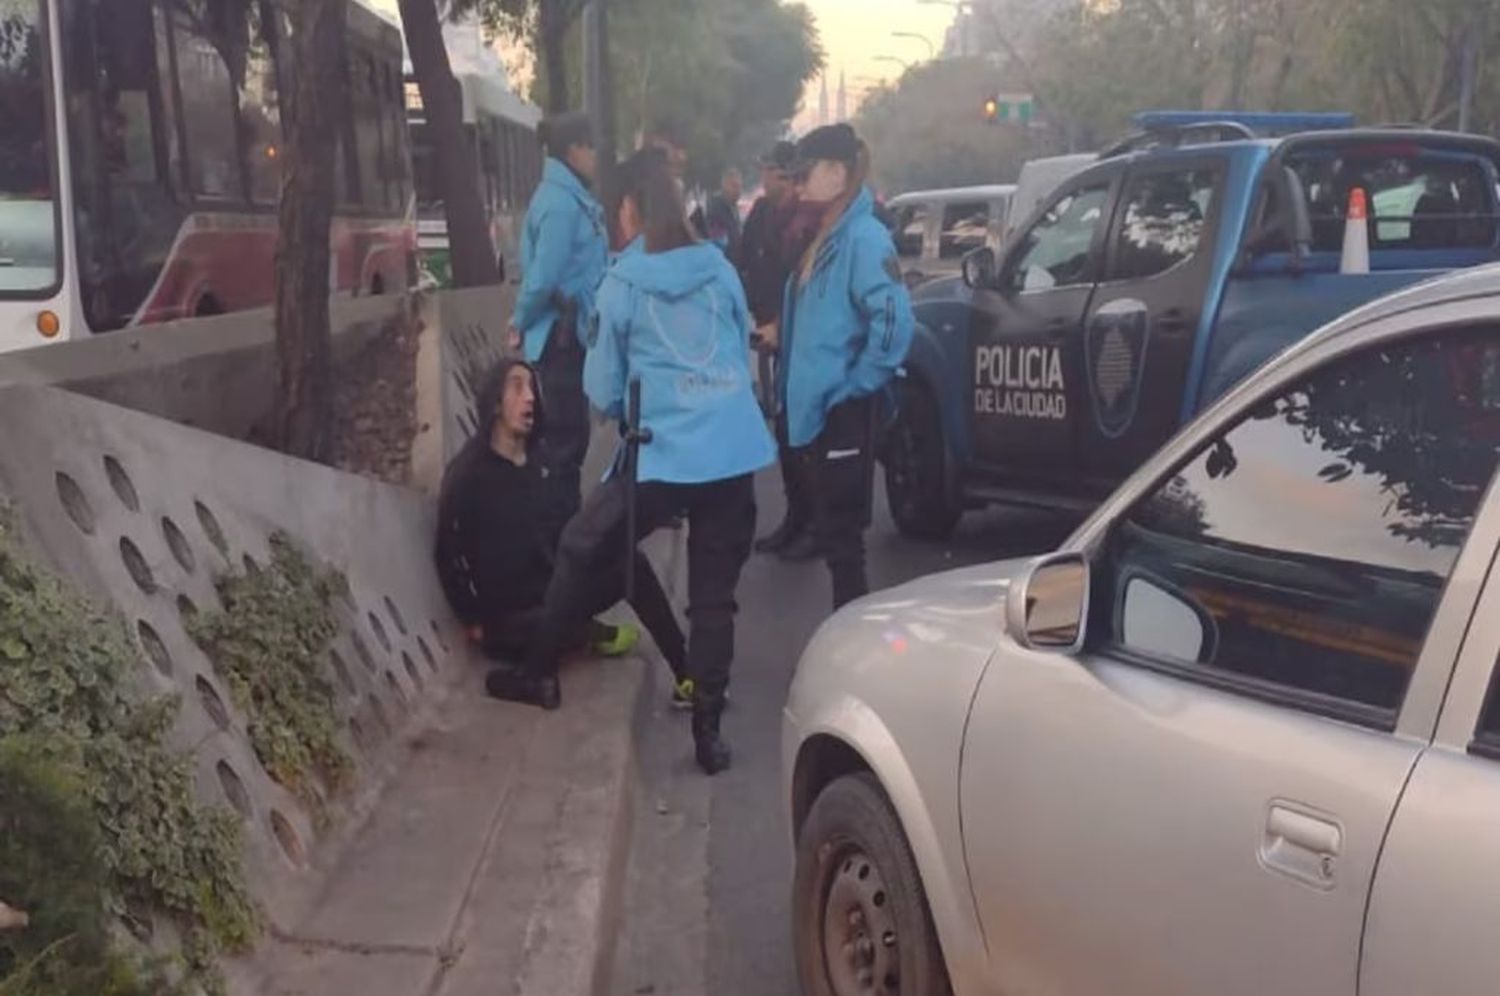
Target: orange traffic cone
{"points": [[1356, 234]]}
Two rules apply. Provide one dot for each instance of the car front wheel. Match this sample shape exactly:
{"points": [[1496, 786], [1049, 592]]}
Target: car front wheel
{"points": [[859, 914]]}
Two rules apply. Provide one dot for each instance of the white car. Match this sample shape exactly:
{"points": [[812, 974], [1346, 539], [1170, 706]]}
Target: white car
{"points": [[1240, 735], [935, 229]]}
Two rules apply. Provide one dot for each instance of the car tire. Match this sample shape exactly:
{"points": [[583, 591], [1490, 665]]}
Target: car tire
{"points": [[859, 914], [916, 485]]}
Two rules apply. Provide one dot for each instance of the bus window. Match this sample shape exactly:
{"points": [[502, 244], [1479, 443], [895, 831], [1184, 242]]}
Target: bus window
{"points": [[392, 126], [364, 91], [260, 112], [208, 110], [28, 211]]}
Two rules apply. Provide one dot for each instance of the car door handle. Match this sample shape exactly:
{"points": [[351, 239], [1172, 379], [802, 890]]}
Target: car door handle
{"points": [[1301, 845]]}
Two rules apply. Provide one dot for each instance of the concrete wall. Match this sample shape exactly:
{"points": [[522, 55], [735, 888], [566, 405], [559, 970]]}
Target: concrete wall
{"points": [[144, 513]]}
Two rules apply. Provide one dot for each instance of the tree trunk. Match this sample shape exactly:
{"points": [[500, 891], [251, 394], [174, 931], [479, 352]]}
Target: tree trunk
{"points": [[471, 251], [552, 26], [303, 335]]}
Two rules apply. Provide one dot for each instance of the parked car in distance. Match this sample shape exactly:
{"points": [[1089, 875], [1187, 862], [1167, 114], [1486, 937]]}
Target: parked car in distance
{"points": [[1239, 735], [935, 229]]}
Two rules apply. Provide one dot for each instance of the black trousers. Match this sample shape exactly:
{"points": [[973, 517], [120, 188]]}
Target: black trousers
{"points": [[840, 473], [794, 476], [721, 528], [565, 413]]}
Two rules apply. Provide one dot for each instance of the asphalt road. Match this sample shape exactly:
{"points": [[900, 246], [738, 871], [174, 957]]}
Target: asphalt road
{"points": [[707, 898]]}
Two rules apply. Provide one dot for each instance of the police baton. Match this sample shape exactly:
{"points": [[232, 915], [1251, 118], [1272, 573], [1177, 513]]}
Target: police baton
{"points": [[635, 436]]}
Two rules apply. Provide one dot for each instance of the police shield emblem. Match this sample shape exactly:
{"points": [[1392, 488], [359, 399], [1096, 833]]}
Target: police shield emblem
{"points": [[1115, 347]]}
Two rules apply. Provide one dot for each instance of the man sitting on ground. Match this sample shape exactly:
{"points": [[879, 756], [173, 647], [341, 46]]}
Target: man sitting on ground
{"points": [[495, 549]]}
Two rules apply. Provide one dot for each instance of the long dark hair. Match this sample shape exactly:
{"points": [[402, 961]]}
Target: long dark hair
{"points": [[646, 178]]}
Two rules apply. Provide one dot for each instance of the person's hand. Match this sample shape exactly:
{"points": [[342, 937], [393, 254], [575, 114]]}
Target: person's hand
{"points": [[512, 339], [770, 336]]}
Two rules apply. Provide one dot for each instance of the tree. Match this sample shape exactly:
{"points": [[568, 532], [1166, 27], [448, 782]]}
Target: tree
{"points": [[929, 131], [304, 350], [472, 254]]}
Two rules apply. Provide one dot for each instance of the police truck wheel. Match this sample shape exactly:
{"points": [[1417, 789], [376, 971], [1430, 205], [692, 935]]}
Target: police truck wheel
{"points": [[915, 482], [859, 914]]}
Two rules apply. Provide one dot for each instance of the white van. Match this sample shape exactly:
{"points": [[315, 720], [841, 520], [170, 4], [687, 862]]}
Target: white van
{"points": [[935, 229]]}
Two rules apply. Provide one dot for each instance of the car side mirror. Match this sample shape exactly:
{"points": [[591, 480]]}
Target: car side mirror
{"points": [[1048, 604], [980, 267]]}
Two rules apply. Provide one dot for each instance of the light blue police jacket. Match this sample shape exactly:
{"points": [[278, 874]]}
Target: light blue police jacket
{"points": [[564, 248], [846, 331], [678, 321]]}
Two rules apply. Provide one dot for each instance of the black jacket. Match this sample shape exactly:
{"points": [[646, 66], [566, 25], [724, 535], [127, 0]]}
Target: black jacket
{"points": [[494, 550], [763, 265]]}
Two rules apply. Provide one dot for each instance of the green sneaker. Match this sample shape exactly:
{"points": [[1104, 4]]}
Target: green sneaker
{"points": [[622, 643], [682, 694]]}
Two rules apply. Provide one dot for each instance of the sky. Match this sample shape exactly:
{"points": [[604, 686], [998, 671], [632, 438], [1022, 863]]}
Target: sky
{"points": [[855, 33]]}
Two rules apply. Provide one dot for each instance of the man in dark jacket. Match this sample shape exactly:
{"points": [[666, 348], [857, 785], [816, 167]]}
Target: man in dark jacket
{"points": [[720, 219], [773, 242], [496, 543]]}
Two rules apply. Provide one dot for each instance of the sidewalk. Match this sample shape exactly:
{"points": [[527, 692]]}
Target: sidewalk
{"points": [[492, 863]]}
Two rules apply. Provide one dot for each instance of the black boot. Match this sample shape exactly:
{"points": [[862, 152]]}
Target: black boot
{"points": [[510, 685], [803, 548], [782, 537], [712, 752]]}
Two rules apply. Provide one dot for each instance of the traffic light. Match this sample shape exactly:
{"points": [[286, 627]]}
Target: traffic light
{"points": [[1004, 108], [991, 110]]}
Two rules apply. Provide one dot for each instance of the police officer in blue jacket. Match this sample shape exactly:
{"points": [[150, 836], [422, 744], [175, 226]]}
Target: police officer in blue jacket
{"points": [[671, 312], [846, 328], [564, 248]]}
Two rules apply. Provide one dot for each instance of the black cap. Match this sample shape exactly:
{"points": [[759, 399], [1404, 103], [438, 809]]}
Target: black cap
{"points": [[837, 143], [783, 156], [563, 131]]}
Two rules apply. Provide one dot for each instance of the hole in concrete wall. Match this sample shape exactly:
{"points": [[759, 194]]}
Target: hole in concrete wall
{"points": [[286, 836], [463, 430], [156, 650], [463, 385], [120, 481], [75, 503], [187, 611], [357, 734], [395, 689], [427, 654], [211, 529], [378, 714], [395, 614], [378, 628], [234, 789], [135, 564], [411, 670], [252, 566], [341, 671], [345, 590], [213, 703], [182, 551], [363, 650], [437, 631]]}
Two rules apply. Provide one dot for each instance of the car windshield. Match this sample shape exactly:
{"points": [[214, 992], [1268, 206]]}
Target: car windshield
{"points": [[28, 222]]}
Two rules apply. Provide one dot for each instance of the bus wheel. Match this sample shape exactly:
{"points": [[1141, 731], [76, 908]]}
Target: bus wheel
{"points": [[207, 307], [915, 482]]}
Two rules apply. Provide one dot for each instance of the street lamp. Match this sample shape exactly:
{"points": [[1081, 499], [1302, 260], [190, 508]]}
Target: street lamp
{"points": [[931, 48], [905, 66]]}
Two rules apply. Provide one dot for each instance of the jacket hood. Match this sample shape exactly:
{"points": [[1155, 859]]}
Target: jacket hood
{"points": [[490, 391], [671, 275], [557, 172]]}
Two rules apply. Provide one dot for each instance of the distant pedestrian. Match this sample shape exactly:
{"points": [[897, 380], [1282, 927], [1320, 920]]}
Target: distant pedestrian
{"points": [[672, 314], [769, 252], [721, 222], [845, 331], [564, 249]]}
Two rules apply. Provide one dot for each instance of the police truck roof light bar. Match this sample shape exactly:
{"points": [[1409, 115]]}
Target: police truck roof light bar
{"points": [[1267, 124]]}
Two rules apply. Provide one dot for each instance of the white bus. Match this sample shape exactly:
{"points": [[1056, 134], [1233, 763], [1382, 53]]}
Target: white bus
{"points": [[501, 134], [140, 148]]}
